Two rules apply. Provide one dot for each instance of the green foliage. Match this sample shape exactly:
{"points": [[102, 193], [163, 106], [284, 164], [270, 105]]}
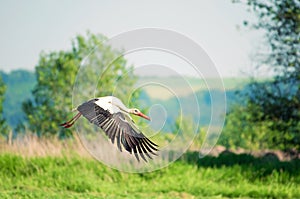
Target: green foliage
{"points": [[273, 107], [281, 21], [279, 108], [228, 176], [19, 84], [248, 126], [56, 73], [242, 130], [3, 125]]}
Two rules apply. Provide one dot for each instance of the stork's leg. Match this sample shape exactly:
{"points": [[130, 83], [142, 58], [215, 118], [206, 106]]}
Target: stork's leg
{"points": [[71, 122]]}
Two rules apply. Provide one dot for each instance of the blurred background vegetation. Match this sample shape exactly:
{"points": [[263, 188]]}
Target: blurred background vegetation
{"points": [[259, 144], [268, 114]]}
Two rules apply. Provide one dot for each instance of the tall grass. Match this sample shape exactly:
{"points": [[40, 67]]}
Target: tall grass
{"points": [[29, 145], [50, 168], [79, 177]]}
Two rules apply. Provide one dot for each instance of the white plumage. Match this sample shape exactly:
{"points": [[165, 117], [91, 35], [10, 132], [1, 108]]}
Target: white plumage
{"points": [[112, 104], [112, 116]]}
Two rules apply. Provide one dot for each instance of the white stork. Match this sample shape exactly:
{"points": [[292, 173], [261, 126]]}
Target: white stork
{"points": [[112, 116]]}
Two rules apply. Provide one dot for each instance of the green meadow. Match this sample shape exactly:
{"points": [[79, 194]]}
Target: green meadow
{"points": [[74, 176]]}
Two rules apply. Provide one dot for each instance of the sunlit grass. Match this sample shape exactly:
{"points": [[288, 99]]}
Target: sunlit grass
{"points": [[49, 168], [82, 177]]}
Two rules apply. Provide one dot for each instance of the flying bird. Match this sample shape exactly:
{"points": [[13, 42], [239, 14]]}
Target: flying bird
{"points": [[112, 116]]}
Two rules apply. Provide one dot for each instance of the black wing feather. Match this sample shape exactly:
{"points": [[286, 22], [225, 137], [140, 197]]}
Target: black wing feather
{"points": [[117, 127]]}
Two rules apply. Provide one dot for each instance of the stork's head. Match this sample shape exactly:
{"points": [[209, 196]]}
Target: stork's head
{"points": [[137, 112]]}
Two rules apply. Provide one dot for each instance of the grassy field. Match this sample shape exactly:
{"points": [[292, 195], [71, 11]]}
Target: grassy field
{"points": [[74, 176]]}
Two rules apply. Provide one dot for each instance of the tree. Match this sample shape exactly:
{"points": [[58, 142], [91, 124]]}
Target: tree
{"points": [[19, 84], [3, 126], [243, 130], [275, 104], [56, 73], [281, 21]]}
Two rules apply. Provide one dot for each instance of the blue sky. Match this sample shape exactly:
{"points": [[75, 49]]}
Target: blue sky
{"points": [[29, 27]]}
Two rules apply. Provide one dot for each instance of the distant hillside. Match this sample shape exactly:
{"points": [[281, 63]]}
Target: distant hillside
{"points": [[190, 104], [157, 87], [19, 84]]}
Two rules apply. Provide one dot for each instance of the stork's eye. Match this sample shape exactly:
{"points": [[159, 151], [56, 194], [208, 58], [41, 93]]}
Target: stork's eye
{"points": [[136, 111]]}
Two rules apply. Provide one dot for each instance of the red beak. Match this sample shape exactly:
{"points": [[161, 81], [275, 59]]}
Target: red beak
{"points": [[144, 116]]}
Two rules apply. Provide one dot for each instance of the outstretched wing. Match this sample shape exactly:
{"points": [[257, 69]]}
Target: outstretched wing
{"points": [[119, 127]]}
